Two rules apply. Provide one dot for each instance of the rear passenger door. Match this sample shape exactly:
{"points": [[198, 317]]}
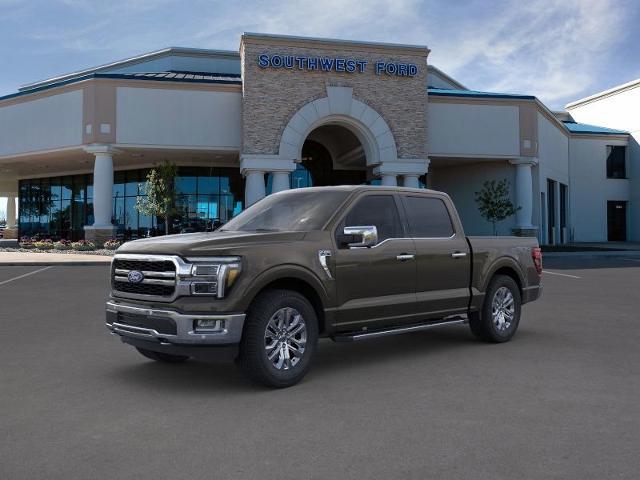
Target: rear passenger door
{"points": [[376, 285], [443, 257]]}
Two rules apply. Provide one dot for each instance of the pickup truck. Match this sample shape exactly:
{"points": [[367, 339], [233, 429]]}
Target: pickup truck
{"points": [[345, 262]]}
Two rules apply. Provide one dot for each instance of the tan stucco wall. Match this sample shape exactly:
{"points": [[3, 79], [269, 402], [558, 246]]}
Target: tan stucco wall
{"points": [[272, 96]]}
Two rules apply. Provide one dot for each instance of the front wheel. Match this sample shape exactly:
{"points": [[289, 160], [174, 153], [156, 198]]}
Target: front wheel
{"points": [[279, 338], [498, 320]]}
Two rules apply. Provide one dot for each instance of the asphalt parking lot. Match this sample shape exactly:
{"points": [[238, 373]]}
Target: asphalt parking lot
{"points": [[562, 400]]}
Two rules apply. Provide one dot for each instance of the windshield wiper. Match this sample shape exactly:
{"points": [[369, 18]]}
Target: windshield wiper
{"points": [[265, 230]]}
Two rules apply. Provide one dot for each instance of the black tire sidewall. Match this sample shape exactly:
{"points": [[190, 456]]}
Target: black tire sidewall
{"points": [[489, 328], [253, 356]]}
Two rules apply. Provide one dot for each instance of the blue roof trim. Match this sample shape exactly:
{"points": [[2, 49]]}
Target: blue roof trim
{"points": [[227, 79], [444, 92], [575, 127]]}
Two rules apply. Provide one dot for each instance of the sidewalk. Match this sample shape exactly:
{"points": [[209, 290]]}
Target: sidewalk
{"points": [[32, 258]]}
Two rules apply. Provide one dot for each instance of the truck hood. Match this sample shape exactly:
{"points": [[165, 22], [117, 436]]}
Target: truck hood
{"points": [[216, 243]]}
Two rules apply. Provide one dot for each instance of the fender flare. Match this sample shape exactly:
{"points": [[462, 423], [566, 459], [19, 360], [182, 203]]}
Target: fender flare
{"points": [[504, 262]]}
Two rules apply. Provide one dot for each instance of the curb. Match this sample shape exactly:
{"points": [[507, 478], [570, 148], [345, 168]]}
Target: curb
{"points": [[54, 264]]}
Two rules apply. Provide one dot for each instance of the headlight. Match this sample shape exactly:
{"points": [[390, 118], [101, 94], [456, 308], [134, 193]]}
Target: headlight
{"points": [[213, 275]]}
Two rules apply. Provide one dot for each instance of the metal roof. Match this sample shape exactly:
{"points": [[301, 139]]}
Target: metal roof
{"points": [[575, 127], [444, 92]]}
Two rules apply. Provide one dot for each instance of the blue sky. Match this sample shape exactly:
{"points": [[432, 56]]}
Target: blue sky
{"points": [[556, 50]]}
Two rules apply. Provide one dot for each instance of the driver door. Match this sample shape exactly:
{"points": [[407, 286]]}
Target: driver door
{"points": [[375, 285]]}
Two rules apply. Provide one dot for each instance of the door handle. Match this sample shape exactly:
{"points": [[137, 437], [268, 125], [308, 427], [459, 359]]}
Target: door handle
{"points": [[458, 254], [404, 257]]}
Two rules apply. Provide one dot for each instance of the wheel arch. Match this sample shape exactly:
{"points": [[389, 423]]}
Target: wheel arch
{"points": [[505, 266], [297, 279]]}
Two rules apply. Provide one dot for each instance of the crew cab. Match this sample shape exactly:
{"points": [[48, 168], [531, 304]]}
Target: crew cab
{"points": [[346, 262]]}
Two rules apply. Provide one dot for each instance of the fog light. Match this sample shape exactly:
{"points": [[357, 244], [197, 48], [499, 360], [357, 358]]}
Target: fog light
{"points": [[204, 288], [209, 325]]}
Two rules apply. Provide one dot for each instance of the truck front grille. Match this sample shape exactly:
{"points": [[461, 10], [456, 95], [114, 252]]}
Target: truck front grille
{"points": [[158, 277]]}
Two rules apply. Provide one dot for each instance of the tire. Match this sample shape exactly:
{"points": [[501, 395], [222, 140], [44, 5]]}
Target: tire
{"points": [[495, 327], [279, 323], [162, 357]]}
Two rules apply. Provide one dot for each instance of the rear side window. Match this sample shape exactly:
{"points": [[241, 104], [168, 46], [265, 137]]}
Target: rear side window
{"points": [[428, 217], [377, 210]]}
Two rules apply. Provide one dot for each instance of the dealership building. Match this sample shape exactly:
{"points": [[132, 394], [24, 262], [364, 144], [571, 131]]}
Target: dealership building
{"points": [[289, 112]]}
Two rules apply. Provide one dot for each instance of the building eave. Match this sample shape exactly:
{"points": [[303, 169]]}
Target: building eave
{"points": [[603, 94]]}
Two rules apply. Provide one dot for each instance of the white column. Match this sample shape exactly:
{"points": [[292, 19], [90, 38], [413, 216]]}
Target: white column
{"points": [[254, 188], [103, 189], [280, 181], [389, 179], [11, 211], [411, 181], [524, 191]]}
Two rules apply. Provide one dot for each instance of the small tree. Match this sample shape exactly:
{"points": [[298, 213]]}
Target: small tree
{"points": [[160, 193], [494, 203]]}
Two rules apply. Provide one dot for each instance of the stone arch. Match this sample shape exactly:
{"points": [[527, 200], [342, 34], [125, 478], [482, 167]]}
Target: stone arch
{"points": [[340, 108]]}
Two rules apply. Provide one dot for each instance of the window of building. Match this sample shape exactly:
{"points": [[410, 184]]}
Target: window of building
{"points": [[428, 217], [379, 211], [616, 161]]}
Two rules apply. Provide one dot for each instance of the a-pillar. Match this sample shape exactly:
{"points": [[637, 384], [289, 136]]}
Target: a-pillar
{"points": [[102, 228], [524, 196]]}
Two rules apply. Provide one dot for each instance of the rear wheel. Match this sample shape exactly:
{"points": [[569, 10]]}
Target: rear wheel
{"points": [[162, 357], [498, 320], [279, 338]]}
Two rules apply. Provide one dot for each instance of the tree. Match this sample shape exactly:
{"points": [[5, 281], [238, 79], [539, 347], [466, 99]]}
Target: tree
{"points": [[494, 203], [160, 199]]}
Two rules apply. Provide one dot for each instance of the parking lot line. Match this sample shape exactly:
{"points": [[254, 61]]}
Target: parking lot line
{"points": [[561, 274], [25, 275]]}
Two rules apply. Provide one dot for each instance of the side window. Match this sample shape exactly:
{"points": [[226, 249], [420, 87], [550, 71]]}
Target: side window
{"points": [[428, 217], [378, 210]]}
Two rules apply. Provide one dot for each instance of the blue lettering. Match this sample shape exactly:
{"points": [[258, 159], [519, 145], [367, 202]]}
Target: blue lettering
{"points": [[402, 69], [312, 63], [392, 69], [326, 63], [361, 65], [276, 61], [288, 61], [379, 67], [340, 64], [263, 61], [413, 70], [351, 66], [302, 61]]}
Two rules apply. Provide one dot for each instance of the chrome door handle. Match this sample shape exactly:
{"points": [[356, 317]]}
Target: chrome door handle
{"points": [[458, 254], [404, 257]]}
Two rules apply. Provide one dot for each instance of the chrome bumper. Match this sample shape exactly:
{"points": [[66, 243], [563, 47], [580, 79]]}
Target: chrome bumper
{"points": [[228, 328]]}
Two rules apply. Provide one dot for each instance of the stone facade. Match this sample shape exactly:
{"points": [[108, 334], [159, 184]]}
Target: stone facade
{"points": [[272, 96]]}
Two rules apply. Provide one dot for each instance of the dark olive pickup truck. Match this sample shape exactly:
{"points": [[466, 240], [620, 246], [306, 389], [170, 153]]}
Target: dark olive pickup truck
{"points": [[346, 262]]}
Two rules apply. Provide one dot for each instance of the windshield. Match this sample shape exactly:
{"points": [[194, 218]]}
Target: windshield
{"points": [[298, 210]]}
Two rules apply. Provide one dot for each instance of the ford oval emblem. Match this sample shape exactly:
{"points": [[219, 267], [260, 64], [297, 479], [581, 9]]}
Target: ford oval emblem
{"points": [[135, 276]]}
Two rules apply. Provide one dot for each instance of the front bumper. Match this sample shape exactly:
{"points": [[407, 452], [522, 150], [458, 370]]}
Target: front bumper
{"points": [[169, 327]]}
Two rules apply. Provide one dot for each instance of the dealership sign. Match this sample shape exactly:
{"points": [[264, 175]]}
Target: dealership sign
{"points": [[333, 64]]}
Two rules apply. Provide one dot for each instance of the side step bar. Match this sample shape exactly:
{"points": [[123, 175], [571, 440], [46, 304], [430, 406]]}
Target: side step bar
{"points": [[364, 335]]}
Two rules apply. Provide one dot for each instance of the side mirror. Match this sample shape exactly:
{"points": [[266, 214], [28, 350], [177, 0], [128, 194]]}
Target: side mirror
{"points": [[359, 237]]}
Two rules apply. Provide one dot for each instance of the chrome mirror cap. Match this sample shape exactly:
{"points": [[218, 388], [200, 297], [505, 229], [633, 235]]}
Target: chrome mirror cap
{"points": [[369, 234]]}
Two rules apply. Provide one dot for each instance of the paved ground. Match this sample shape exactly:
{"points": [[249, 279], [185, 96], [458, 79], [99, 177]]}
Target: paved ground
{"points": [[33, 258], [562, 400]]}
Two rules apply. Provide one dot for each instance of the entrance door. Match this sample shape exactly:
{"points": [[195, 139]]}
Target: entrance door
{"points": [[551, 212], [377, 283], [617, 221]]}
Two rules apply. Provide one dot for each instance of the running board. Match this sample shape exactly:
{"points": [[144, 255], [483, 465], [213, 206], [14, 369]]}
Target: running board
{"points": [[364, 335]]}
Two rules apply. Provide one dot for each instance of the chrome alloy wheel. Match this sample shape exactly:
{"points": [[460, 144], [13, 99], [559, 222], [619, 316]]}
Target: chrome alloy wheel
{"points": [[285, 338], [503, 309]]}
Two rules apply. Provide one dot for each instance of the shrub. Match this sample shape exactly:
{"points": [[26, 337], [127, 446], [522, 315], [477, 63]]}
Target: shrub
{"points": [[83, 245], [62, 245], [26, 242], [112, 244], [43, 244]]}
